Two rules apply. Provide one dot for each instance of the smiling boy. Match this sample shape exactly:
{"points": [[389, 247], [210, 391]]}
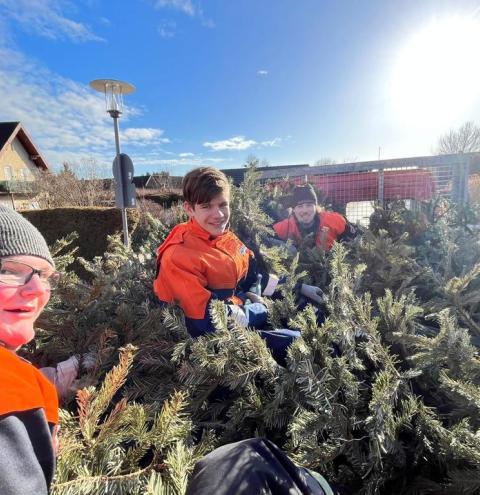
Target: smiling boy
{"points": [[202, 260], [310, 226]]}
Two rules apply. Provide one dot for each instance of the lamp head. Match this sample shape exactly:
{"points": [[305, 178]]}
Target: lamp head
{"points": [[113, 91]]}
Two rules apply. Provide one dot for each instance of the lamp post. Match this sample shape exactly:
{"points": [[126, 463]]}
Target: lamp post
{"points": [[114, 91]]}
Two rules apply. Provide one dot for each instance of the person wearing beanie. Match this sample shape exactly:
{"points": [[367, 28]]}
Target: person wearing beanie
{"points": [[309, 226], [28, 400]]}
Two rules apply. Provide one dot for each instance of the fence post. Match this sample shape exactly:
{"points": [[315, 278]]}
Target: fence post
{"points": [[381, 187], [466, 176], [460, 181]]}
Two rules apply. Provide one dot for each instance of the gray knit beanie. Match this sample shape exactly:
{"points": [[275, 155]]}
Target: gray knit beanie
{"points": [[19, 237], [304, 194]]}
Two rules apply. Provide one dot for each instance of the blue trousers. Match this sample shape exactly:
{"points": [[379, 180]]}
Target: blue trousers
{"points": [[278, 341]]}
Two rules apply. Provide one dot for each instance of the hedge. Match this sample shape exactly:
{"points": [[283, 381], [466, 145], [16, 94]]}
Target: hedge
{"points": [[92, 224], [164, 198]]}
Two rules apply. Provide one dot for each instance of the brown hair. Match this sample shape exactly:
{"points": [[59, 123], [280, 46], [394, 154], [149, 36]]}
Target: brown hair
{"points": [[202, 184]]}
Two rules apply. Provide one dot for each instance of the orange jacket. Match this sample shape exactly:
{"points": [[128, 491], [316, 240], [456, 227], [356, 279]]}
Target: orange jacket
{"points": [[194, 268], [24, 388], [28, 427], [332, 221]]}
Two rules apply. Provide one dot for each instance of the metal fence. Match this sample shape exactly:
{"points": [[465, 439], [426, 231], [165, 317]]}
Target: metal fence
{"points": [[355, 188]]}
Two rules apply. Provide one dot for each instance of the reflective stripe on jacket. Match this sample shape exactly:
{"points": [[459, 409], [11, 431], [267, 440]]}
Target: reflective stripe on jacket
{"points": [[332, 221]]}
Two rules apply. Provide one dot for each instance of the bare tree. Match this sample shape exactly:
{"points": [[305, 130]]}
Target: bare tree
{"points": [[465, 139], [66, 188], [325, 161]]}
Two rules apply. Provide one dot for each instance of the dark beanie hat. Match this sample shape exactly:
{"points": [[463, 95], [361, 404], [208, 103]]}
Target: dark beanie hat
{"points": [[304, 194], [19, 237]]}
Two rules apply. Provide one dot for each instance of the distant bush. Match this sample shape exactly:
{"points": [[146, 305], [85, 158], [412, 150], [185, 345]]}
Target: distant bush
{"points": [[67, 189]]}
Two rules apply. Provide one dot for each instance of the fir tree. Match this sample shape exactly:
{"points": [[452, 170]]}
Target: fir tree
{"points": [[382, 397]]}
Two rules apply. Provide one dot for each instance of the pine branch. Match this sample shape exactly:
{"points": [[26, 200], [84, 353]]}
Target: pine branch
{"points": [[92, 406]]}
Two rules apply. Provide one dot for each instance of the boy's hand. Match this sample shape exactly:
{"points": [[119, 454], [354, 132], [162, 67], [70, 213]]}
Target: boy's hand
{"points": [[254, 298], [251, 315]]}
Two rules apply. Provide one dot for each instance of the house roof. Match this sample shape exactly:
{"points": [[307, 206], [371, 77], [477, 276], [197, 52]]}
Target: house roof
{"points": [[11, 130], [238, 174], [140, 180], [157, 181]]}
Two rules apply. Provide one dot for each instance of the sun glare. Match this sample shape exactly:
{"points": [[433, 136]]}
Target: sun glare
{"points": [[436, 77]]}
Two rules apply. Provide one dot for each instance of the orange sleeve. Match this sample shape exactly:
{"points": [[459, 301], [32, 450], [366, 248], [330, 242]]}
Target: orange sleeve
{"points": [[281, 229], [335, 222], [181, 280]]}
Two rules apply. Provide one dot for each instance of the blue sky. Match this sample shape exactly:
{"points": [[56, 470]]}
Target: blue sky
{"points": [[218, 80]]}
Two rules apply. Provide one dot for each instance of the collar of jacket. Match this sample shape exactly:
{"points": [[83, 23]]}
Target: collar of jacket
{"points": [[199, 231], [192, 226]]}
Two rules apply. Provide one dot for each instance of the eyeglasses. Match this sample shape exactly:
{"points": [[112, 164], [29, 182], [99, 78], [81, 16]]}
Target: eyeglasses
{"points": [[16, 274]]}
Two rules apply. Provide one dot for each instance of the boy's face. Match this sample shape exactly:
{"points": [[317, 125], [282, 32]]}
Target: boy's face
{"points": [[212, 216], [305, 212], [21, 305]]}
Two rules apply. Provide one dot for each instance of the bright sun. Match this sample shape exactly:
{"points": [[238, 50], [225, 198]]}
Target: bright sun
{"points": [[436, 77]]}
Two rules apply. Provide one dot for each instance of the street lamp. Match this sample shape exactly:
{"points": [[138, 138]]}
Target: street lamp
{"points": [[123, 167]]}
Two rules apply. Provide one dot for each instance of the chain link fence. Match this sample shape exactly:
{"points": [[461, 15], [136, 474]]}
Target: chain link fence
{"points": [[355, 188]]}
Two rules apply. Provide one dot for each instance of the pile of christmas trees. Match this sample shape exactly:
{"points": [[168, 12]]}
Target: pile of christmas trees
{"points": [[382, 397]]}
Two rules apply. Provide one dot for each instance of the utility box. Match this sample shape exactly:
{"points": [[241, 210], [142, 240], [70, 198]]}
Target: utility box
{"points": [[125, 193]]}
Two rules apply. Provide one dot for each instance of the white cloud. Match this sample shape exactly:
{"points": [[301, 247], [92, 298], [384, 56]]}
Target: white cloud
{"points": [[66, 119], [240, 143], [272, 142], [185, 6], [144, 135], [45, 18], [234, 143], [262, 72], [185, 155], [167, 29]]}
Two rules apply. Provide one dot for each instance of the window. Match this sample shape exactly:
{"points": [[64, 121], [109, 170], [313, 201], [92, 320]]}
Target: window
{"points": [[7, 172], [22, 174]]}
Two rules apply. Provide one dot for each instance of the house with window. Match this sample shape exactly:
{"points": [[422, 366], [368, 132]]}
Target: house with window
{"points": [[20, 162], [162, 180]]}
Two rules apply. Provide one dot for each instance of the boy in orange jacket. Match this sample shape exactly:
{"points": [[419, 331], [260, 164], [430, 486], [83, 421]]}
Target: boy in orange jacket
{"points": [[202, 260]]}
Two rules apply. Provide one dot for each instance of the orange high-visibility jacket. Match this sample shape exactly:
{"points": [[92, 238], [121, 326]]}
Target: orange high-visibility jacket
{"points": [[193, 268], [28, 419], [332, 221], [24, 388]]}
